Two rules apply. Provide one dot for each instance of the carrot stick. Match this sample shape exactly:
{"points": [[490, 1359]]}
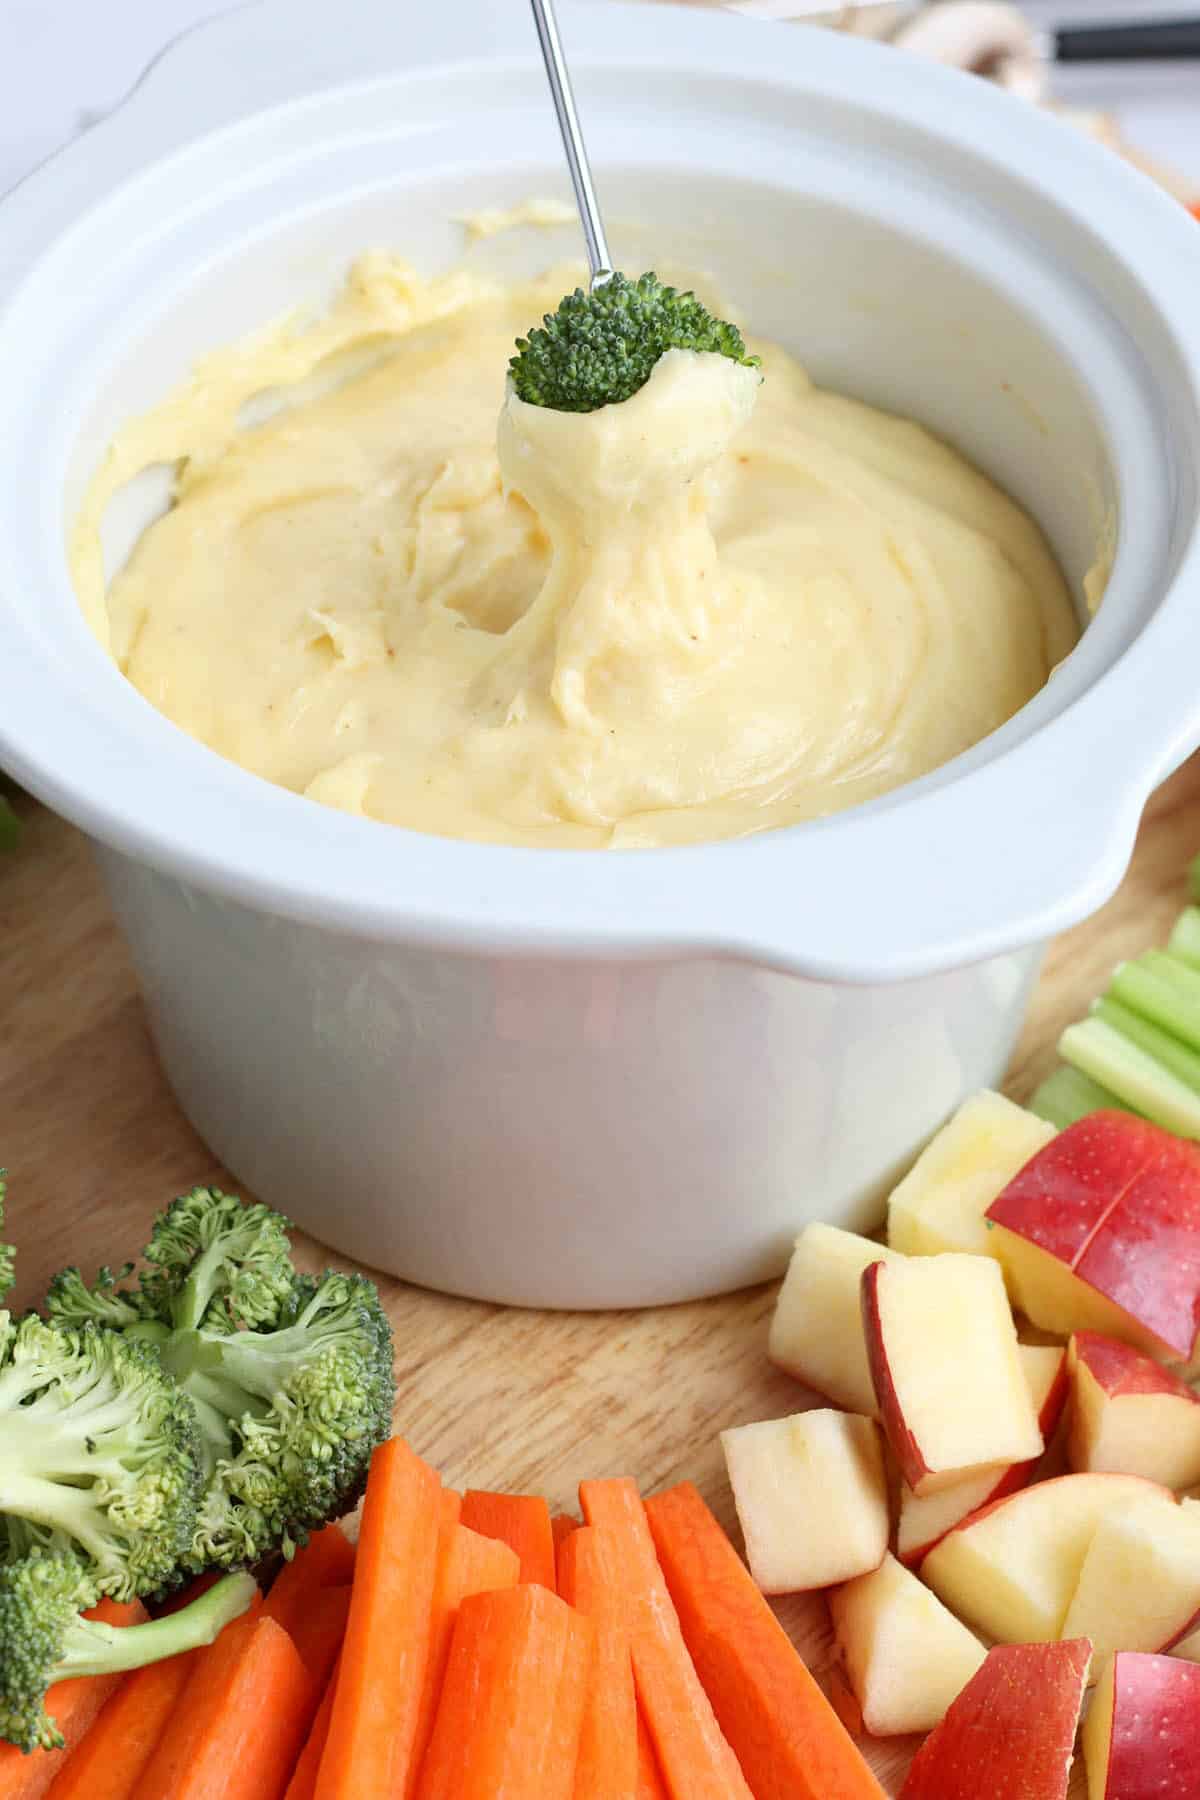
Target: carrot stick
{"points": [[110, 1761], [520, 1520], [253, 1734], [451, 1506], [212, 1672], [511, 1711], [650, 1781], [303, 1784], [326, 1561], [787, 1736], [695, 1761], [375, 1709], [467, 1564], [318, 1633], [74, 1706], [561, 1527], [589, 1580]]}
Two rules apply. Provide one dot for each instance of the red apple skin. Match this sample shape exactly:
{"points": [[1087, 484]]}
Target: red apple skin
{"points": [[905, 1448], [1154, 1751], [1011, 1732], [1117, 1200], [1146, 1255], [1120, 1370], [1063, 1193]]}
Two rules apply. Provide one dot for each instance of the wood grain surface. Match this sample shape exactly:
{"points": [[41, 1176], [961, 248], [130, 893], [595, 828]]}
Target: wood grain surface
{"points": [[94, 1145]]}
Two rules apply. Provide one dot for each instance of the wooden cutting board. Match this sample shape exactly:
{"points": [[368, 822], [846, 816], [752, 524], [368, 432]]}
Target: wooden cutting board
{"points": [[94, 1145]]}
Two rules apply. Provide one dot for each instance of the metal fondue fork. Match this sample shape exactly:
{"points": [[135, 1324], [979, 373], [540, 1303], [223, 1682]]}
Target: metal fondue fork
{"points": [[559, 77]]}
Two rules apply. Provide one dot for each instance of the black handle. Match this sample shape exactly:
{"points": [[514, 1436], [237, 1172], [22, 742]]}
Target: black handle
{"points": [[1172, 39]]}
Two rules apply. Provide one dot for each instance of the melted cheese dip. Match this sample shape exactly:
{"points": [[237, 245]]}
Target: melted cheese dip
{"points": [[732, 602]]}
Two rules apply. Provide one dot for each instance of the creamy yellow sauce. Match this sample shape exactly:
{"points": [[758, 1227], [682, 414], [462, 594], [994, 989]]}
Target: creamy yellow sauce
{"points": [[727, 604]]}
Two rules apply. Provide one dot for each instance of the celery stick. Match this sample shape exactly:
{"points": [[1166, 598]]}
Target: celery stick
{"points": [[1135, 1077], [1160, 1001], [1174, 1056], [1171, 970], [1185, 939], [1068, 1095]]}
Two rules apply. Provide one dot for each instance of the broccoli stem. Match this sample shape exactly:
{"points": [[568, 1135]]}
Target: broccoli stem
{"points": [[94, 1648], [1069, 1095], [1184, 943]]}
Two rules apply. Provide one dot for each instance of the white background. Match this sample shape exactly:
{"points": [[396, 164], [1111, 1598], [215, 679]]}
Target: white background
{"points": [[63, 61]]}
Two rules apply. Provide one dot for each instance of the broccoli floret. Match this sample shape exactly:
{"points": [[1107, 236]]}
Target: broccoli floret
{"points": [[6, 1250], [601, 347], [43, 1639], [99, 1453], [291, 1378]]}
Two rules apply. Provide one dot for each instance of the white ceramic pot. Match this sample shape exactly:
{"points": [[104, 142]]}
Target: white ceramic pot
{"points": [[575, 1079]]}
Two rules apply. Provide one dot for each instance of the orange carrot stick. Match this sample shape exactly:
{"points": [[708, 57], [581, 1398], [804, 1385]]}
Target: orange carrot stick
{"points": [[695, 1761], [326, 1561], [303, 1784], [451, 1511], [650, 1781], [318, 1633], [467, 1564], [109, 1763], [561, 1527], [791, 1744], [249, 1743], [589, 1580], [512, 1704], [377, 1701], [74, 1706], [521, 1520], [212, 1672]]}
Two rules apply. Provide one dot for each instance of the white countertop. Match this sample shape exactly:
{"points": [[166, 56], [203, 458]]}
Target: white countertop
{"points": [[64, 61]]}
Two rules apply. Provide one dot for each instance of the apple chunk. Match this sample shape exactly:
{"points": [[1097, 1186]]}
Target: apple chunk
{"points": [[1011, 1570], [925, 1520], [817, 1330], [942, 1348], [1010, 1735], [907, 1657], [811, 1496], [1101, 1232], [1140, 1740], [1139, 1587], [1129, 1415], [941, 1202]]}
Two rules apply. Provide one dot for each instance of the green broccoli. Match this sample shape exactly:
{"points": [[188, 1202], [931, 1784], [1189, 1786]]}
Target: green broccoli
{"points": [[6, 1250], [291, 1378], [601, 347], [99, 1454], [43, 1639]]}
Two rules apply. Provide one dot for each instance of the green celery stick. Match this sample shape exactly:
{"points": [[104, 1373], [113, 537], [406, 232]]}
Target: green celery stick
{"points": [[1162, 1002], [1174, 1056], [1171, 969], [1184, 945], [1136, 1077], [1068, 1095]]}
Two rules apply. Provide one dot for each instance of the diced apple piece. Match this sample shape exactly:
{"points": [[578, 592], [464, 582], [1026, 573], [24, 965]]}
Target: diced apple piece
{"points": [[941, 1202], [942, 1348], [907, 1657], [811, 1497], [925, 1520], [1140, 1738], [817, 1330], [1011, 1570], [1010, 1735], [1129, 1415], [1139, 1587], [1101, 1232]]}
